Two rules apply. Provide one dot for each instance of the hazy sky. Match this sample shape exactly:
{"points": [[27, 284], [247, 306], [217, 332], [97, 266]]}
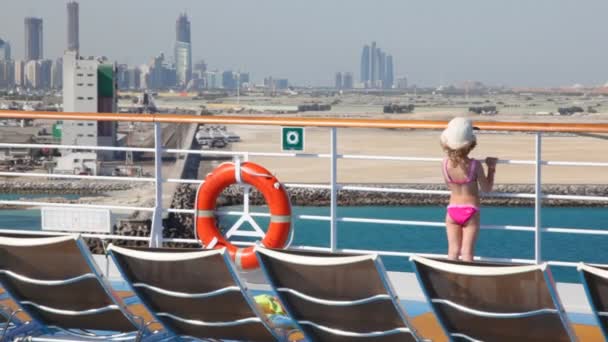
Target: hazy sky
{"points": [[510, 42]]}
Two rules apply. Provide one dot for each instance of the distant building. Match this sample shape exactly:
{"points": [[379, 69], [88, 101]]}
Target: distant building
{"points": [[89, 86], [33, 39], [212, 79], [57, 74], [348, 81], [402, 83], [7, 73], [38, 74], [32, 74], [73, 26], [5, 50], [229, 80], [183, 51], [381, 69], [365, 65], [134, 78], [19, 73], [161, 75], [373, 65], [338, 81], [282, 83], [377, 68], [45, 68], [389, 78]]}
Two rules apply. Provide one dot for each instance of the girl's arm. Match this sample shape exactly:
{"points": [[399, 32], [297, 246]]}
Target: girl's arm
{"points": [[486, 183]]}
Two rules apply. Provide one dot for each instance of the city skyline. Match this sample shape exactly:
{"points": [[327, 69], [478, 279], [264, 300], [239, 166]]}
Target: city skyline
{"points": [[443, 43]]}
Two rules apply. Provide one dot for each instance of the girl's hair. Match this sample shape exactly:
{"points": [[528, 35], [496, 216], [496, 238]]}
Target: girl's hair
{"points": [[457, 157]]}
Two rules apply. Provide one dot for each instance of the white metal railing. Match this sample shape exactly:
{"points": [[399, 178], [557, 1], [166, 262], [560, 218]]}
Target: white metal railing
{"points": [[156, 239]]}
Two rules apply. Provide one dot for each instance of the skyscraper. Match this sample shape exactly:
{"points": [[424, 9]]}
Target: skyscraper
{"points": [[365, 66], [5, 50], [33, 39], [373, 65], [338, 82], [390, 73], [381, 68], [73, 27], [57, 74], [183, 51], [347, 80]]}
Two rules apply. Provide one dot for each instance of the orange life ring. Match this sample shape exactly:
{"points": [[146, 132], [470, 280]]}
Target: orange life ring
{"points": [[274, 193]]}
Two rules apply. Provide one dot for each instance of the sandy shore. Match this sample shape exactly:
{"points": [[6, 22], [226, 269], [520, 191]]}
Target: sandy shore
{"points": [[385, 142]]}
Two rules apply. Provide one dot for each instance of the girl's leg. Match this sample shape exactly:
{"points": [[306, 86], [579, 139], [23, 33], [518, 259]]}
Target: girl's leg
{"points": [[454, 232], [469, 237]]}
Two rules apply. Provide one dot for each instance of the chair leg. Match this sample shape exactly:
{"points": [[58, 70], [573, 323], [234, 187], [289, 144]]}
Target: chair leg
{"points": [[8, 323]]}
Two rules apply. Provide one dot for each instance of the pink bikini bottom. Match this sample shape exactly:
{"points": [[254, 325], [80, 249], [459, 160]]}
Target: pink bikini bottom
{"points": [[462, 213]]}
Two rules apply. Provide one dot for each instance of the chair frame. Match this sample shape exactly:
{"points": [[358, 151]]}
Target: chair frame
{"points": [[381, 271], [598, 272], [559, 309], [42, 332], [239, 286]]}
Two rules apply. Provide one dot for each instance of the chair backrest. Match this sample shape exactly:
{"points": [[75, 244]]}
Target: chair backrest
{"points": [[57, 283], [193, 293], [595, 281], [337, 297], [494, 302]]}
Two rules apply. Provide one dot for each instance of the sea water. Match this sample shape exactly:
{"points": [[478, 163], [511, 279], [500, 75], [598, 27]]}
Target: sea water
{"points": [[491, 243]]}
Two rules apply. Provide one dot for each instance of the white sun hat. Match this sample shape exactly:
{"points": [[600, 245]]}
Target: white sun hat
{"points": [[458, 134]]}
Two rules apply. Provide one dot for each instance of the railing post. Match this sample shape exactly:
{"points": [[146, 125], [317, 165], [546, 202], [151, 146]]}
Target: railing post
{"points": [[538, 200], [333, 224], [156, 231]]}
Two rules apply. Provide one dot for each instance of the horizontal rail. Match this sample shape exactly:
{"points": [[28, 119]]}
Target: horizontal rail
{"points": [[59, 175], [74, 205], [306, 122], [80, 147]]}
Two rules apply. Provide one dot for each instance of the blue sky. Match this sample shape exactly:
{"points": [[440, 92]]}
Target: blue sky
{"points": [[510, 42]]}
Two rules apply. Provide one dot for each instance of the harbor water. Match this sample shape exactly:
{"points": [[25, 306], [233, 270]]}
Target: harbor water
{"points": [[491, 243]]}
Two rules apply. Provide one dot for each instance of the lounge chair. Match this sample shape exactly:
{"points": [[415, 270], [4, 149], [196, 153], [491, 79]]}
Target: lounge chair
{"points": [[595, 281], [193, 293], [494, 302], [55, 281], [337, 297]]}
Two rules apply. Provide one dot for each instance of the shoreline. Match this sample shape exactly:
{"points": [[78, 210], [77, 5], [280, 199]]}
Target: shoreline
{"points": [[233, 195]]}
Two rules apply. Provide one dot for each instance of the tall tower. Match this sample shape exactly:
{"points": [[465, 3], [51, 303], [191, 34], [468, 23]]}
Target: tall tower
{"points": [[381, 68], [339, 81], [373, 65], [183, 50], [73, 27], [33, 39], [5, 50], [390, 73], [365, 66]]}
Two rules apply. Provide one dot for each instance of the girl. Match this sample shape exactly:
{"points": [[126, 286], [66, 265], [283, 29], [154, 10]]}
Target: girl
{"points": [[465, 177]]}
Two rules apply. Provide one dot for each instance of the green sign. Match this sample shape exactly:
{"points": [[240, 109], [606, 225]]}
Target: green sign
{"points": [[292, 138], [57, 130]]}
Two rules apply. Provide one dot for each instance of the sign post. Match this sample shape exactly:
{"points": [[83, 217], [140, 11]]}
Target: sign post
{"points": [[292, 138]]}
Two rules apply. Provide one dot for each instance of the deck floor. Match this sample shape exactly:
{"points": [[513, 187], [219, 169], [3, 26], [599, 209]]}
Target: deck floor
{"points": [[426, 323]]}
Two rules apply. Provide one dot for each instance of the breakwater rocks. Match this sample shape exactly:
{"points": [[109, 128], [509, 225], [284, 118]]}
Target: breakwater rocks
{"points": [[321, 197], [60, 187]]}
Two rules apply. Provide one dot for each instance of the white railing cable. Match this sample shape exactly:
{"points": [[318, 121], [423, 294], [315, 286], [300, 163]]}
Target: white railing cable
{"points": [[80, 147], [74, 205]]}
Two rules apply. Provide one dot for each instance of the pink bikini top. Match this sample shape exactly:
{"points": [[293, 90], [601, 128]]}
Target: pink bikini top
{"points": [[470, 177]]}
